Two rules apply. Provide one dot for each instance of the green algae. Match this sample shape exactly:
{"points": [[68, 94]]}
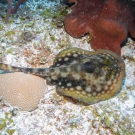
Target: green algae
{"points": [[64, 43], [56, 15], [52, 37], [56, 97], [59, 16], [73, 121], [95, 113], [86, 108], [1, 27], [73, 125], [10, 20], [29, 24], [2, 123], [107, 121], [65, 111], [10, 33], [47, 13], [10, 50], [6, 124], [10, 131]]}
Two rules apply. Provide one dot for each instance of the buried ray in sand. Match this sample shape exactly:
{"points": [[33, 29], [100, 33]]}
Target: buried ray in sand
{"points": [[83, 75]]}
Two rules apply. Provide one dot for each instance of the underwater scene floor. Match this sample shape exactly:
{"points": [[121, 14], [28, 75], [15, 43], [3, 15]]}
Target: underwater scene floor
{"points": [[32, 38]]}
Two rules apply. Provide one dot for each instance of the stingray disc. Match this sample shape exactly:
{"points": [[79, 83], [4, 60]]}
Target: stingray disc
{"points": [[88, 76]]}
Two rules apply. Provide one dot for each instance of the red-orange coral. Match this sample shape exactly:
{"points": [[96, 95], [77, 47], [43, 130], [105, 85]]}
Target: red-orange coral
{"points": [[108, 22]]}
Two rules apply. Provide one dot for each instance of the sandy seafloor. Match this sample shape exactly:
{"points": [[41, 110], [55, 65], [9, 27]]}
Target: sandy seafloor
{"points": [[32, 39]]}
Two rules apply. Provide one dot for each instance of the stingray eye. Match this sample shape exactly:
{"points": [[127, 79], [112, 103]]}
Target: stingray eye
{"points": [[89, 67]]}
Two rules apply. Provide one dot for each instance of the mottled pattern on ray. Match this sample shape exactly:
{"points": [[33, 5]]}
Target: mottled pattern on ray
{"points": [[87, 76], [70, 55], [98, 78]]}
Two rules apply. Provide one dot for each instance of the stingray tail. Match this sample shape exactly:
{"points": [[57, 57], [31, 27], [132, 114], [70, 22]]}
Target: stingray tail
{"points": [[6, 68], [42, 72]]}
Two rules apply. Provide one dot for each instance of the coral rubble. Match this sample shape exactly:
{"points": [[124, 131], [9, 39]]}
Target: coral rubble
{"points": [[108, 22]]}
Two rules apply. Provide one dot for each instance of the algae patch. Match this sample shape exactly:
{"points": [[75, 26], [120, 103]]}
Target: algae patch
{"points": [[6, 124]]}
